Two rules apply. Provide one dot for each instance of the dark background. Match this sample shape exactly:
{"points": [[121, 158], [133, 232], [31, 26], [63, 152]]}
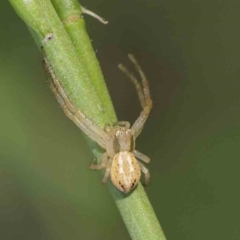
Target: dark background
{"points": [[190, 52]]}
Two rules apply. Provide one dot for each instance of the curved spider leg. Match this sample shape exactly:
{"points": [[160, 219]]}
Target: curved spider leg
{"points": [[136, 84], [146, 173], [145, 84], [92, 130], [141, 156], [73, 117], [52, 76], [102, 164], [138, 125], [93, 127]]}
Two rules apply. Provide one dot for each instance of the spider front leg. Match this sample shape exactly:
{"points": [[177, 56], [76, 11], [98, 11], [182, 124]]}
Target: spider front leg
{"points": [[92, 130], [139, 123], [143, 95]]}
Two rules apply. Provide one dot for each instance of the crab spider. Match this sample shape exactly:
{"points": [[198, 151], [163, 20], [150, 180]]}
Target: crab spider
{"points": [[120, 157]]}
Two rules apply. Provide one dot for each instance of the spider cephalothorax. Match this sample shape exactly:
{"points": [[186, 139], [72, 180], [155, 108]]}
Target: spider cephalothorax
{"points": [[120, 158]]}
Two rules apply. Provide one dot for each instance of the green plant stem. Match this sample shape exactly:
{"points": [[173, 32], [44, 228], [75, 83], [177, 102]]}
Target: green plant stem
{"points": [[70, 13], [73, 71]]}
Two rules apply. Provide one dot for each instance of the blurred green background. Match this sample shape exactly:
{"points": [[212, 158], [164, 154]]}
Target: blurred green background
{"points": [[190, 52]]}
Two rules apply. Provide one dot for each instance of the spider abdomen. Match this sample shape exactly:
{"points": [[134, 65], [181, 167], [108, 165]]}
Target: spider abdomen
{"points": [[125, 171]]}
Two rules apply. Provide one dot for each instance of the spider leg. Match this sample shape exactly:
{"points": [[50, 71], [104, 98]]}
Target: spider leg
{"points": [[102, 164], [92, 130], [143, 95], [139, 123], [146, 90], [141, 156], [136, 84], [107, 172], [146, 173]]}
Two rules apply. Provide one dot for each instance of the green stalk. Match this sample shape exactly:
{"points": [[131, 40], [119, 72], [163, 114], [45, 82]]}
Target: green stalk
{"points": [[70, 54], [70, 13]]}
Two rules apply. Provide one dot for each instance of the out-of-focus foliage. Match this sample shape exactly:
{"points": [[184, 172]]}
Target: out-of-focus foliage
{"points": [[189, 51]]}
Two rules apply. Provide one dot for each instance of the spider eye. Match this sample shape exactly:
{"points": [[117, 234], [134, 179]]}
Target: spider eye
{"points": [[129, 132]]}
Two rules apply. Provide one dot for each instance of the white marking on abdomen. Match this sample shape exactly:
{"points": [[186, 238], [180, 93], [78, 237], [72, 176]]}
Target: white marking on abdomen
{"points": [[124, 158], [120, 162], [129, 159]]}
